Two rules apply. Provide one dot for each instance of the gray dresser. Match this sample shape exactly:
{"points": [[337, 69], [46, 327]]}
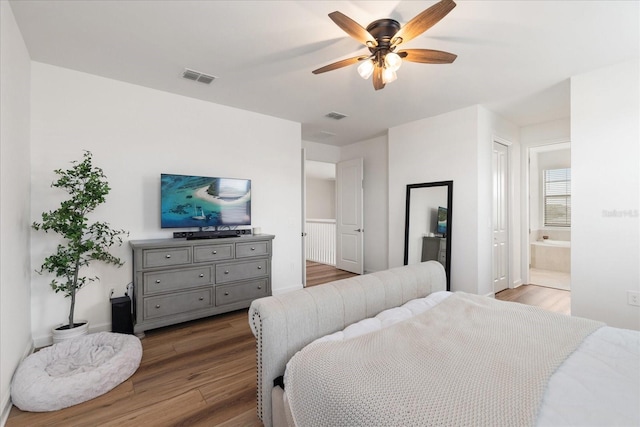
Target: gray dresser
{"points": [[176, 280]]}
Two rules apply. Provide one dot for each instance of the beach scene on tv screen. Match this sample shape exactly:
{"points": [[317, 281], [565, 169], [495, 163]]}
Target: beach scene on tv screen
{"points": [[198, 201]]}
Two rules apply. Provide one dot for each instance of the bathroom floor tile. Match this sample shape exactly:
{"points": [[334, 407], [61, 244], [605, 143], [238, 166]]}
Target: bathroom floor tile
{"points": [[551, 279]]}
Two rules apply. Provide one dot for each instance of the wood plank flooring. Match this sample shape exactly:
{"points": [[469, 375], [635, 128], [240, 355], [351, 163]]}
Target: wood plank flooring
{"points": [[556, 300], [199, 373], [202, 373], [318, 274]]}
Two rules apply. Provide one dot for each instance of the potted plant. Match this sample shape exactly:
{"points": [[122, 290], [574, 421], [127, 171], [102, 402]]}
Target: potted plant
{"points": [[83, 242]]}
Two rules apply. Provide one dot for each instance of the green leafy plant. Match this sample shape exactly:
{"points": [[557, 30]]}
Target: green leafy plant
{"points": [[84, 242]]}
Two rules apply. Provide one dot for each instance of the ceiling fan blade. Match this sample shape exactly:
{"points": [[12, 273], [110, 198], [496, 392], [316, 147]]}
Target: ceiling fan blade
{"points": [[352, 28], [378, 83], [423, 21], [427, 56], [339, 64]]}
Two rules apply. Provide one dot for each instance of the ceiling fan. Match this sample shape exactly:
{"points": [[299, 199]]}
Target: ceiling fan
{"points": [[383, 36]]}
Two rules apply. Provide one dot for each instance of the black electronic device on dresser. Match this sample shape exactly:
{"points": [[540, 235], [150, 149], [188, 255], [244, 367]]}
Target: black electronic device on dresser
{"points": [[210, 234]]}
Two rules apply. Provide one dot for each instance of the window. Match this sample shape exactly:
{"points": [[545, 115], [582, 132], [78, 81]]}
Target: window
{"points": [[557, 197]]}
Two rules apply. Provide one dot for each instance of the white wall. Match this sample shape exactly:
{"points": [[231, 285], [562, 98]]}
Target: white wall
{"points": [[136, 133], [321, 198], [321, 152], [555, 159], [605, 252], [374, 154], [545, 133], [15, 270], [454, 146], [440, 148]]}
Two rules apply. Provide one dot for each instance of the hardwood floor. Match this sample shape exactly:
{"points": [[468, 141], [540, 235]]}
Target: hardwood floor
{"points": [[321, 273], [551, 299], [202, 373]]}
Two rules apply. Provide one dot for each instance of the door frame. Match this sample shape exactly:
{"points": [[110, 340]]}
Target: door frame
{"points": [[526, 209]]}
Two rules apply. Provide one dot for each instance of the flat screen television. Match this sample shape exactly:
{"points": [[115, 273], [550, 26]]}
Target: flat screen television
{"points": [[200, 201], [441, 226]]}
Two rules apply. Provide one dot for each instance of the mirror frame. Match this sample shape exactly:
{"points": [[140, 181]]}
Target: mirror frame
{"points": [[410, 187]]}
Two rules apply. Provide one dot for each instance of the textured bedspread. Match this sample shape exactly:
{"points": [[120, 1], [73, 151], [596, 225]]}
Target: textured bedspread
{"points": [[470, 360]]}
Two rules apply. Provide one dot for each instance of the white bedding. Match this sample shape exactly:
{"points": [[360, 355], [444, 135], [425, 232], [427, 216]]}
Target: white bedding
{"points": [[599, 384]]}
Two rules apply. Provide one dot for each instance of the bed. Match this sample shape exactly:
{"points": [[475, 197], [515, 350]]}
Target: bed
{"points": [[394, 348]]}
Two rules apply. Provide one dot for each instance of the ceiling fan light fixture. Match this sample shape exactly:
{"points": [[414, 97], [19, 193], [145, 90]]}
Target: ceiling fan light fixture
{"points": [[366, 69], [389, 75], [392, 61], [383, 36]]}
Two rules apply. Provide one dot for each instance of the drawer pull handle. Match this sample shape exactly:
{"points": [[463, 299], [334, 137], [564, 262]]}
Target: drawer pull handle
{"points": [[157, 280], [168, 255], [201, 298], [157, 305], [214, 252], [259, 287], [253, 249], [201, 275], [259, 267], [226, 272], [226, 293]]}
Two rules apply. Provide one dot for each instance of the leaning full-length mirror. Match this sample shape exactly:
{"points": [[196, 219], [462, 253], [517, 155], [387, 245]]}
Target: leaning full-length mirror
{"points": [[427, 233]]}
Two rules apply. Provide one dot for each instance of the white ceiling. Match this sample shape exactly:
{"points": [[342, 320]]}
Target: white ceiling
{"points": [[514, 57]]}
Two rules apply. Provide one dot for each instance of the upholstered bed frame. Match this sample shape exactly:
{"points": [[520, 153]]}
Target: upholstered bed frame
{"points": [[283, 324]]}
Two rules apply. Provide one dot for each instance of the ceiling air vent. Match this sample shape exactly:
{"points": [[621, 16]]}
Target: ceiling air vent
{"points": [[335, 116], [197, 76]]}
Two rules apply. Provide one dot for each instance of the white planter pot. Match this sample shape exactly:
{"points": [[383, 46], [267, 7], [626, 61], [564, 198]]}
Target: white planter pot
{"points": [[60, 335]]}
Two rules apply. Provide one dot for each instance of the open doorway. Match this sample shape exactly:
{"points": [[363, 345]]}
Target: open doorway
{"points": [[320, 209], [333, 217], [550, 216], [332, 214]]}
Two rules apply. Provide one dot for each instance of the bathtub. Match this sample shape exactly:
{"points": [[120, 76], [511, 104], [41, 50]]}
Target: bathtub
{"points": [[549, 242], [554, 255]]}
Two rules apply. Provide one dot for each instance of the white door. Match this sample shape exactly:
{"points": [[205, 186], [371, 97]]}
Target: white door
{"points": [[349, 217], [500, 217], [304, 219]]}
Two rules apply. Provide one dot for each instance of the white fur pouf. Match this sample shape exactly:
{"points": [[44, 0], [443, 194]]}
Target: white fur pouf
{"points": [[74, 371]]}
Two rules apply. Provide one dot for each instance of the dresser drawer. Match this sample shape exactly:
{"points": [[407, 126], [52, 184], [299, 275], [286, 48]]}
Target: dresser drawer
{"points": [[172, 280], [249, 249], [212, 252], [166, 257], [241, 271], [227, 294], [182, 302]]}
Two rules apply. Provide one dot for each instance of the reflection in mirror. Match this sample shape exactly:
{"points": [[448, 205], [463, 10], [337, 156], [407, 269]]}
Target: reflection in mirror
{"points": [[428, 224]]}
